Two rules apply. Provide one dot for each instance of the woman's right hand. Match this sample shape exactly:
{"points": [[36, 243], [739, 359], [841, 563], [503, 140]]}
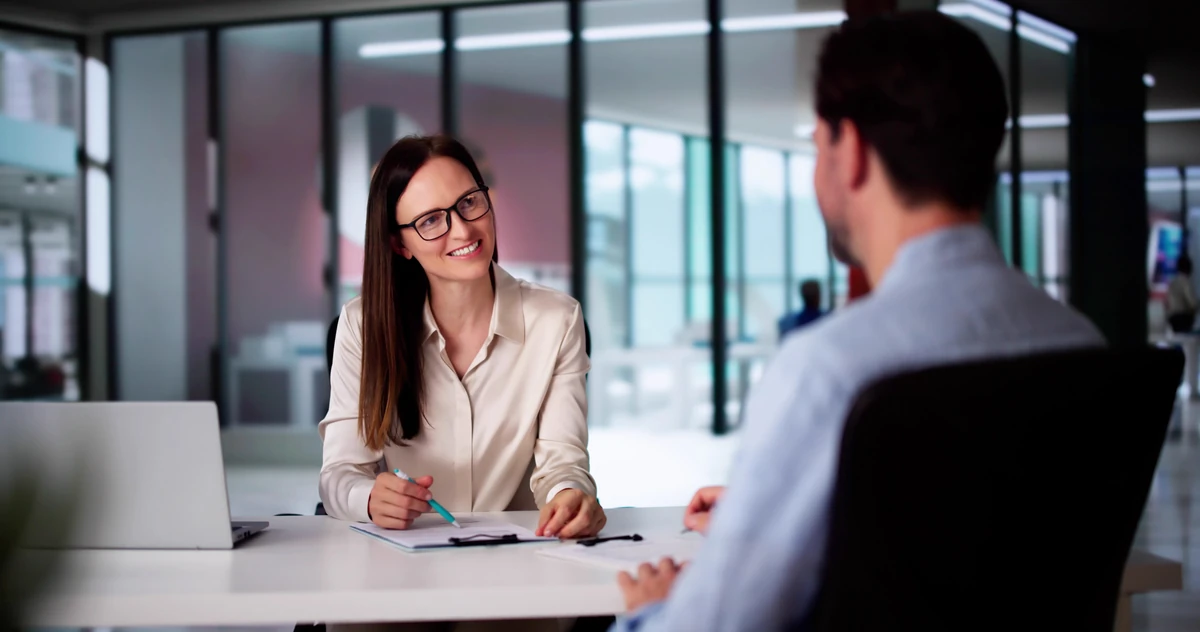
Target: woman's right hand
{"points": [[395, 502]]}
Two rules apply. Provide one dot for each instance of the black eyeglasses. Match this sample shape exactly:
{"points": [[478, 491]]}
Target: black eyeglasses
{"points": [[470, 207]]}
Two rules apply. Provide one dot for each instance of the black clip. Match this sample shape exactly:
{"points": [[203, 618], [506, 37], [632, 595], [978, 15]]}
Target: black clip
{"points": [[594, 541], [508, 538]]}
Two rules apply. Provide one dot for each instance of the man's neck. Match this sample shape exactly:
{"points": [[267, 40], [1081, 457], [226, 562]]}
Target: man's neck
{"points": [[906, 224]]}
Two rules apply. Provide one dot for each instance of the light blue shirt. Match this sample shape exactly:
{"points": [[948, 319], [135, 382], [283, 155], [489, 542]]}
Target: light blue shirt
{"points": [[948, 296]]}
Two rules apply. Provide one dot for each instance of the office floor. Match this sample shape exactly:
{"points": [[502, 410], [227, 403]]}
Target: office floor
{"points": [[679, 461], [1171, 528]]}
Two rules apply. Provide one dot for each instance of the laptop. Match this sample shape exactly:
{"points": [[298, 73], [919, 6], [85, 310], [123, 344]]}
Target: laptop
{"points": [[143, 475]]}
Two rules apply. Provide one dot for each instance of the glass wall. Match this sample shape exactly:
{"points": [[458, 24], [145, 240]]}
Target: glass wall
{"points": [[1173, 203], [512, 95], [646, 100], [776, 239], [1045, 56], [1045, 72], [387, 77], [252, 262], [166, 313], [40, 221], [275, 230]]}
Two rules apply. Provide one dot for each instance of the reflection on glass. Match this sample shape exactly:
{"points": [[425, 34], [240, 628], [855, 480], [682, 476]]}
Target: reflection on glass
{"points": [[162, 212], [275, 229], [776, 237], [388, 78], [646, 182], [809, 245], [656, 215], [40, 232], [513, 118], [764, 265], [1045, 75], [992, 26]]}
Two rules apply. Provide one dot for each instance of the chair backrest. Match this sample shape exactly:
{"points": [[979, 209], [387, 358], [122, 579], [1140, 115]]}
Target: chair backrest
{"points": [[330, 339], [995, 495]]}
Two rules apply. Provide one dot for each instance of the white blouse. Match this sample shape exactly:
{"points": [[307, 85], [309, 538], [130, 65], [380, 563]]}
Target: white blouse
{"points": [[509, 435]]}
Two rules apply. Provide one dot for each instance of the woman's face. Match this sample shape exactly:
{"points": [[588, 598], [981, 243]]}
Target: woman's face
{"points": [[464, 252]]}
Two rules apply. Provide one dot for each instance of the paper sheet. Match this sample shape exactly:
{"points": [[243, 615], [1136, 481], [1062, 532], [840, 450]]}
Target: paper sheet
{"points": [[431, 531], [625, 555]]}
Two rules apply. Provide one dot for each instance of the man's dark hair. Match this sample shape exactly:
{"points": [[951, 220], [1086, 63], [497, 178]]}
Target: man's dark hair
{"points": [[925, 94], [810, 293]]}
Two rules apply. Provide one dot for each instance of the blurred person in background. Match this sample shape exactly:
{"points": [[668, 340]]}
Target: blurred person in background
{"points": [[810, 298], [1181, 297]]}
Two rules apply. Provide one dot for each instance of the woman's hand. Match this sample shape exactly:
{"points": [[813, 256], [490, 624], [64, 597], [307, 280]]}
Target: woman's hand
{"points": [[571, 514], [395, 502]]}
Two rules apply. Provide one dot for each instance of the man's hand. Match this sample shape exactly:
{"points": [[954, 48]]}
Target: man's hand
{"points": [[571, 514], [699, 512], [652, 583]]}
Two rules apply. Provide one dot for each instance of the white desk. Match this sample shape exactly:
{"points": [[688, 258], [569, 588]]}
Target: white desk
{"points": [[315, 569]]}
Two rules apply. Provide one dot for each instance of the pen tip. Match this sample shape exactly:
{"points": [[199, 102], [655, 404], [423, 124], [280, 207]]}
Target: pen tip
{"points": [[455, 523]]}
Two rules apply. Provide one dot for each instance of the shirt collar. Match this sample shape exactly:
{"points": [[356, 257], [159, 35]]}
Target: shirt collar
{"points": [[508, 317], [942, 250]]}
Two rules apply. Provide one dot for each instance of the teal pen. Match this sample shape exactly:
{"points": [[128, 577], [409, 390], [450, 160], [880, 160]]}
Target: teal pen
{"points": [[432, 503]]}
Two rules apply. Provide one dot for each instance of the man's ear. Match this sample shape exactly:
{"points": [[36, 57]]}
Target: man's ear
{"points": [[856, 153], [398, 246]]}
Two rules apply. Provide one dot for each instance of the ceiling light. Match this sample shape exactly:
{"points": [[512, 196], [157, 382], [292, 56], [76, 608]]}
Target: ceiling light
{"points": [[1048, 121], [646, 31], [1172, 116], [995, 6], [401, 49], [1148, 79], [1043, 121], [1002, 22], [804, 130], [1030, 28], [1049, 28], [1038, 37], [512, 40], [1162, 173], [814, 19]]}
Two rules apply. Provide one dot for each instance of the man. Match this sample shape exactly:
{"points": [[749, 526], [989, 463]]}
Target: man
{"points": [[810, 298], [911, 114]]}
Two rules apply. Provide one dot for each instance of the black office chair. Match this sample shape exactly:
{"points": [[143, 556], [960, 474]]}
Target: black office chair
{"points": [[996, 495]]}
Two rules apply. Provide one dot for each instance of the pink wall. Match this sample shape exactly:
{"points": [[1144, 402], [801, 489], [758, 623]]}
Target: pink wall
{"points": [[275, 226], [525, 145], [520, 141]]}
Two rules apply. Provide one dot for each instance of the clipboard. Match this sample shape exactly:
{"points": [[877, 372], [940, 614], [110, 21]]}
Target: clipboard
{"points": [[626, 553], [433, 532]]}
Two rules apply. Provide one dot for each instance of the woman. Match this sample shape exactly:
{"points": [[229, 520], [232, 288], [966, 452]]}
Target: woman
{"points": [[1181, 298], [449, 368]]}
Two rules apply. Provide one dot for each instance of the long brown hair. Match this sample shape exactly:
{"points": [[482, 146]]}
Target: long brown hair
{"points": [[393, 298]]}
